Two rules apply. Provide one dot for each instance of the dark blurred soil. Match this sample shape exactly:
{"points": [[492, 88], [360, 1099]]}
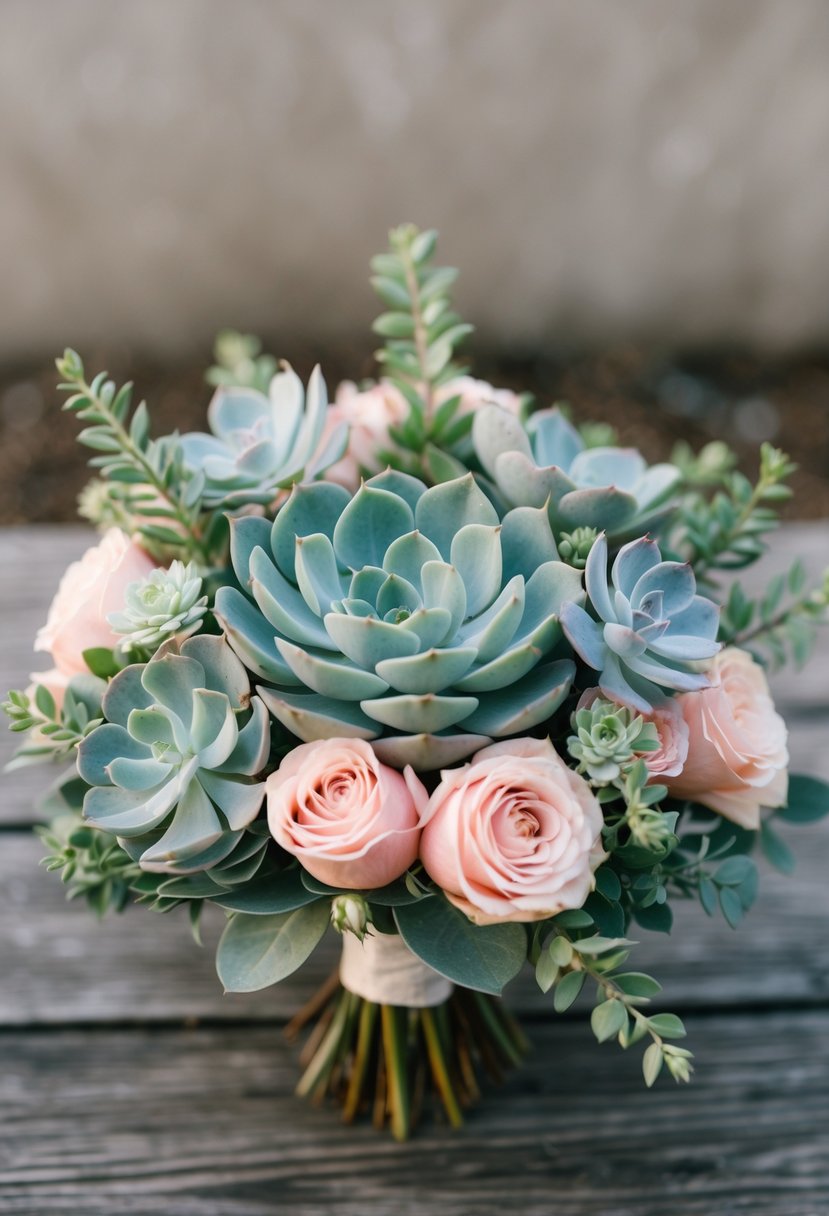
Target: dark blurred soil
{"points": [[653, 399]]}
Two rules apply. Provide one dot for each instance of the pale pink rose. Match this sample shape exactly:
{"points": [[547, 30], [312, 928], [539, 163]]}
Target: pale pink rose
{"points": [[671, 729], [737, 756], [369, 414], [513, 835], [89, 590], [352, 821], [475, 393]]}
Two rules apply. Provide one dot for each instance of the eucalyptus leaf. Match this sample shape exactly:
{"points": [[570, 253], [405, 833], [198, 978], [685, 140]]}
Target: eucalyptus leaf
{"points": [[482, 957], [257, 951]]}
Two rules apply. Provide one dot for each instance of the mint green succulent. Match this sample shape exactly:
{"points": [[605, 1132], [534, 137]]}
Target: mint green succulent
{"points": [[413, 617], [173, 767], [261, 444], [608, 738], [545, 463], [166, 604]]}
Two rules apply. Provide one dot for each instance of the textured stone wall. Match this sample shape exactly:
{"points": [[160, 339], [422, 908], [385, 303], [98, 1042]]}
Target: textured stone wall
{"points": [[599, 168]]}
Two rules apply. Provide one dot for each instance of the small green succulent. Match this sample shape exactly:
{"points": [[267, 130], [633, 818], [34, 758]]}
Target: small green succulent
{"points": [[166, 604], [410, 616], [545, 463], [172, 769], [607, 738]]}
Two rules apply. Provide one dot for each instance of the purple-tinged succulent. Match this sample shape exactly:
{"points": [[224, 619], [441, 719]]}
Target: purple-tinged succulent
{"points": [[653, 631]]}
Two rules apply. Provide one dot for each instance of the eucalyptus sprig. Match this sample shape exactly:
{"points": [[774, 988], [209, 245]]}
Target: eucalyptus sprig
{"points": [[55, 733], [726, 531], [781, 625], [156, 485], [421, 333], [91, 863], [567, 962]]}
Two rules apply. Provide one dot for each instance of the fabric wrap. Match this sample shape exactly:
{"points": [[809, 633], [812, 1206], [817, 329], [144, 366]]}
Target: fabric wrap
{"points": [[383, 969]]}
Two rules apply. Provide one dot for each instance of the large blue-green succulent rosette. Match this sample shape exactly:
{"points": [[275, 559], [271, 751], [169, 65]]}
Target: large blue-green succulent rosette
{"points": [[173, 769], [261, 444], [650, 630], [544, 462], [412, 617]]}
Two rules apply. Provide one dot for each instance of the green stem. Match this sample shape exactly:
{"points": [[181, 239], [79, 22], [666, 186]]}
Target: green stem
{"points": [[393, 1020], [183, 516], [421, 339], [440, 1069], [362, 1055]]}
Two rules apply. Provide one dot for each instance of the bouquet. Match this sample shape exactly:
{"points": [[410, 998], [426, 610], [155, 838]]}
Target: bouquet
{"points": [[456, 676]]}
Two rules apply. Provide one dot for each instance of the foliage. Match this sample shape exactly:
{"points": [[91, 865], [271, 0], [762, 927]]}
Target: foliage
{"points": [[55, 734]]}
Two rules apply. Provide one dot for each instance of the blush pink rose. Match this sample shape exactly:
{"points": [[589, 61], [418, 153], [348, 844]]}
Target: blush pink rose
{"points": [[89, 590], [513, 835], [369, 414], [737, 757], [475, 393], [351, 821]]}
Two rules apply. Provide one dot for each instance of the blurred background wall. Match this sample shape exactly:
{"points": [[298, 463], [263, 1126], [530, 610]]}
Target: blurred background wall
{"points": [[601, 170]]}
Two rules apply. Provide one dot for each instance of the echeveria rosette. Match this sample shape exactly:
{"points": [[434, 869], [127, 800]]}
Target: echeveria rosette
{"points": [[172, 769], [544, 462], [261, 444], [653, 631], [409, 616], [168, 603]]}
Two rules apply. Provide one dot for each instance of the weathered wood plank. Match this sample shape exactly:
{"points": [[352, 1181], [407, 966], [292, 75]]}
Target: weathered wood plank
{"points": [[202, 1123]]}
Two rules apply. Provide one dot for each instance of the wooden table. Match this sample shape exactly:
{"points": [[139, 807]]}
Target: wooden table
{"points": [[130, 1084]]}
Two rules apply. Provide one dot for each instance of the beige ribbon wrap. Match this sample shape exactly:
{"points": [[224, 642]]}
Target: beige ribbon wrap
{"points": [[383, 969]]}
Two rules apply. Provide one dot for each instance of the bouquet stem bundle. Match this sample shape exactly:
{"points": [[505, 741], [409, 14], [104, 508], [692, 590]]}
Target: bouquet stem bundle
{"points": [[389, 1062]]}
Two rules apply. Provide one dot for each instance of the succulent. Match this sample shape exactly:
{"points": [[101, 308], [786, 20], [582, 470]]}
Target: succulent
{"points": [[653, 631], [167, 603], [545, 463], [171, 769], [608, 737], [411, 611], [263, 443]]}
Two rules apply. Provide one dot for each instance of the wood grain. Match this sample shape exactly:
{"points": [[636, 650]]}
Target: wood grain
{"points": [[203, 1123]]}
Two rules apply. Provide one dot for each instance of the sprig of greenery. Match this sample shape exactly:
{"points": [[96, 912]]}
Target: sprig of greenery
{"points": [[240, 362], [421, 333], [566, 962], [781, 625], [155, 483], [726, 531], [91, 863], [55, 733]]}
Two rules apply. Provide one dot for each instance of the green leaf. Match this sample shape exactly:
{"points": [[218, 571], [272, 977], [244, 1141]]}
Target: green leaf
{"points": [[652, 1063], [657, 917], [608, 884], [732, 906], [608, 1019], [256, 951], [776, 850], [808, 800], [708, 895], [394, 325], [546, 971], [733, 871], [101, 662], [667, 1026], [636, 983], [561, 951], [268, 895], [567, 990], [482, 957], [600, 945]]}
